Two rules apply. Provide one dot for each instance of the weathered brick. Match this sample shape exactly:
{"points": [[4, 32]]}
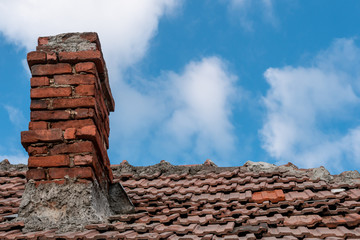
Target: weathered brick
{"points": [[51, 69], [110, 103], [84, 113], [36, 57], [51, 57], [50, 115], [33, 136], [87, 67], [38, 125], [43, 41], [84, 56], [73, 102], [85, 90], [70, 133], [77, 147], [87, 132], [78, 172], [91, 37], [49, 161], [39, 81], [39, 104], [74, 79], [50, 92], [83, 160], [62, 181], [36, 174], [37, 150], [72, 124]]}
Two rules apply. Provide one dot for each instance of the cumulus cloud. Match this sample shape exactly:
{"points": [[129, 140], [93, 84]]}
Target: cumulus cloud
{"points": [[173, 116], [246, 10], [15, 116], [311, 110], [183, 114], [125, 27]]}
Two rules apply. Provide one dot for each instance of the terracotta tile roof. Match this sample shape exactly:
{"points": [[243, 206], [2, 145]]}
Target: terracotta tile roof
{"points": [[255, 201]]}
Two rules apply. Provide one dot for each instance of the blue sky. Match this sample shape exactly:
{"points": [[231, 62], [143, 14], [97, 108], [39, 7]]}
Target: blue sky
{"points": [[231, 81]]}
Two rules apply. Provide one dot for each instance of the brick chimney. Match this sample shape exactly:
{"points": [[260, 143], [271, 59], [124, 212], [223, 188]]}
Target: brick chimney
{"points": [[68, 168]]}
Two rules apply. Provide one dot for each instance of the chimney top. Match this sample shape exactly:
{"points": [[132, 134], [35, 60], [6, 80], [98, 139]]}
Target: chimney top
{"points": [[70, 42]]}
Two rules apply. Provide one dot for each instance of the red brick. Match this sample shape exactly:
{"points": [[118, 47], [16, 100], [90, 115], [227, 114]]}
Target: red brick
{"points": [[84, 56], [50, 92], [107, 91], [33, 136], [72, 124], [37, 183], [103, 106], [79, 172], [85, 90], [87, 67], [90, 36], [39, 104], [36, 174], [39, 81], [43, 41], [49, 115], [87, 132], [74, 79], [74, 102], [37, 150], [69, 133], [49, 161], [50, 69], [83, 160], [91, 160], [77, 147], [84, 113], [51, 57], [36, 57], [38, 125]]}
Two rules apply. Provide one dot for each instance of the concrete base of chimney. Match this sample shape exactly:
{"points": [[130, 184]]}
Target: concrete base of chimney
{"points": [[66, 207]]}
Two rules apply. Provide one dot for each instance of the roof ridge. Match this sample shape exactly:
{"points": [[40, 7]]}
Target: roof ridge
{"points": [[261, 168]]}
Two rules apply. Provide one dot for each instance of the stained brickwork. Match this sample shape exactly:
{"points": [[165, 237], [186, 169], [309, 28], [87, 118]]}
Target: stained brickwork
{"points": [[70, 105]]}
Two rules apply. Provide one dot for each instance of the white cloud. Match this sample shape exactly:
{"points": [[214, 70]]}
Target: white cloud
{"points": [[245, 10], [15, 116], [124, 27], [173, 116], [182, 114], [311, 117]]}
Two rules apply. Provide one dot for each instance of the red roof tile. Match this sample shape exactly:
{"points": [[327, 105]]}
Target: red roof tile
{"points": [[207, 202]]}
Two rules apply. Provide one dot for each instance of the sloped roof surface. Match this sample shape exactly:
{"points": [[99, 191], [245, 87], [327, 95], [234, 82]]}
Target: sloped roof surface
{"points": [[255, 201]]}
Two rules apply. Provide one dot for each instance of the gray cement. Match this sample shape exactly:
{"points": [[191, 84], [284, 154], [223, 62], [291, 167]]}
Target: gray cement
{"points": [[70, 42], [6, 166], [119, 201], [67, 207]]}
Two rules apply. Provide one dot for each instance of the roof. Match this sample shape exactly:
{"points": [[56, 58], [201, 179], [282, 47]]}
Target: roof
{"points": [[254, 201]]}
